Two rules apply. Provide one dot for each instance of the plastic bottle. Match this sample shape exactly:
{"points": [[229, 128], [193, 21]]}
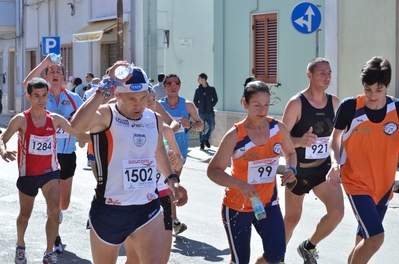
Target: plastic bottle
{"points": [[259, 210], [56, 58], [165, 143], [121, 72]]}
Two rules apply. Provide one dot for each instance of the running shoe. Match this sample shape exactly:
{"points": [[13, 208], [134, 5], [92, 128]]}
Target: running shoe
{"points": [[20, 255], [309, 256], [58, 247], [179, 227], [50, 258]]}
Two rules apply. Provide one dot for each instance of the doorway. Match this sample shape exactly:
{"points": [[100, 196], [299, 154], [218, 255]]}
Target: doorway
{"points": [[109, 55]]}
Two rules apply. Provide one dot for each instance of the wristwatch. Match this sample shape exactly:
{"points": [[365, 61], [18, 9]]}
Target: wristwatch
{"points": [[172, 176]]}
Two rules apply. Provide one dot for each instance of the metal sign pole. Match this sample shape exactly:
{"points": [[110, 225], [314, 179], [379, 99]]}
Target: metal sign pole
{"points": [[317, 43]]}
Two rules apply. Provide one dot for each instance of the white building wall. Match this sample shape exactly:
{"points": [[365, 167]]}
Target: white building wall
{"points": [[138, 47], [366, 28], [190, 50]]}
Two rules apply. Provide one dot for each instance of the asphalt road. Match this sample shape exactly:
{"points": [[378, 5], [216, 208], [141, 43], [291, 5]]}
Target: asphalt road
{"points": [[203, 242]]}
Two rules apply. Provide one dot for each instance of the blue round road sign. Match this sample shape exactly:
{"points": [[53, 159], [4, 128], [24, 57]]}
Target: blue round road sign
{"points": [[306, 17]]}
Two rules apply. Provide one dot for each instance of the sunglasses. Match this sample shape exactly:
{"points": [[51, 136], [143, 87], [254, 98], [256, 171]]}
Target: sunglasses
{"points": [[169, 84]]}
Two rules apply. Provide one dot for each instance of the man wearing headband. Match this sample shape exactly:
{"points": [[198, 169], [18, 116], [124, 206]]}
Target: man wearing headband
{"points": [[126, 139]]}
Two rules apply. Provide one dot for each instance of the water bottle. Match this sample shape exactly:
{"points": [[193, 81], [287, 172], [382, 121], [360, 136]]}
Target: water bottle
{"points": [[259, 210], [165, 143], [121, 72], [55, 58]]}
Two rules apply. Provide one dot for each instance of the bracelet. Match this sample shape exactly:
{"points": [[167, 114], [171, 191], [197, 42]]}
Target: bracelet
{"points": [[291, 168], [172, 176]]}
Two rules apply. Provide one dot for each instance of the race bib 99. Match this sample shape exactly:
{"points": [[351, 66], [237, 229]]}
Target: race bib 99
{"points": [[262, 171]]}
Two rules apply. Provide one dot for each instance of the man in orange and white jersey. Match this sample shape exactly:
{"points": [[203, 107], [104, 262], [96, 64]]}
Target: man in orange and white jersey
{"points": [[367, 126]]}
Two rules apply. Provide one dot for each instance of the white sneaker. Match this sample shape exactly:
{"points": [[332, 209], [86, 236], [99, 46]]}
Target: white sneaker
{"points": [[20, 255], [50, 258]]}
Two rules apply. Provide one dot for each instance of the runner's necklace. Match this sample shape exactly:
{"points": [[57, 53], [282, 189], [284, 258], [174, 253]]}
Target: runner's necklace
{"points": [[172, 106]]}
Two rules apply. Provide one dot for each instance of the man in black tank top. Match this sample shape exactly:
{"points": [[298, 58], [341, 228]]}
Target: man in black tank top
{"points": [[308, 117]]}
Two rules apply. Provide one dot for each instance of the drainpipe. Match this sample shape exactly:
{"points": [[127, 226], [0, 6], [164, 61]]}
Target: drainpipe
{"points": [[132, 32], [119, 28], [56, 18], [49, 19]]}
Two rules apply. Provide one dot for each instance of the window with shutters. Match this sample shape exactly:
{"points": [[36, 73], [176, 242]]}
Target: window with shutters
{"points": [[32, 58], [67, 60], [264, 47]]}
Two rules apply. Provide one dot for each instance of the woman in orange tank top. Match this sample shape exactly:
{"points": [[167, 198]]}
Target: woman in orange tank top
{"points": [[253, 146]]}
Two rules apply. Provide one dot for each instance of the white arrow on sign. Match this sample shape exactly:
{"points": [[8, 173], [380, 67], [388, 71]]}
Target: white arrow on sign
{"points": [[301, 21]]}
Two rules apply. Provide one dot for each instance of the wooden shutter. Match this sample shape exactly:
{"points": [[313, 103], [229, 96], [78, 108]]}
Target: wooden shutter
{"points": [[67, 60], [32, 59], [264, 29]]}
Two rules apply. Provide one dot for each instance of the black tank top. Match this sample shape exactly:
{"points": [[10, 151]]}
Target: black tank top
{"points": [[322, 122]]}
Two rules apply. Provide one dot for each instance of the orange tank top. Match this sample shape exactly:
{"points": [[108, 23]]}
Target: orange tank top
{"points": [[370, 155], [256, 165]]}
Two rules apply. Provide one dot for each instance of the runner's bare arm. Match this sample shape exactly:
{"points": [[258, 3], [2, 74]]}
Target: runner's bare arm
{"points": [[38, 70], [289, 153], [192, 111], [92, 116], [17, 124], [175, 157], [221, 160], [62, 122], [335, 147]]}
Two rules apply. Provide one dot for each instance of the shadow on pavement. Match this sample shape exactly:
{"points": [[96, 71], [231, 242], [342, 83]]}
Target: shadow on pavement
{"points": [[189, 247], [68, 257], [210, 152]]}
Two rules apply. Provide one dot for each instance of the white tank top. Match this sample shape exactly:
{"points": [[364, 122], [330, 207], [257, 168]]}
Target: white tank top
{"points": [[125, 159]]}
